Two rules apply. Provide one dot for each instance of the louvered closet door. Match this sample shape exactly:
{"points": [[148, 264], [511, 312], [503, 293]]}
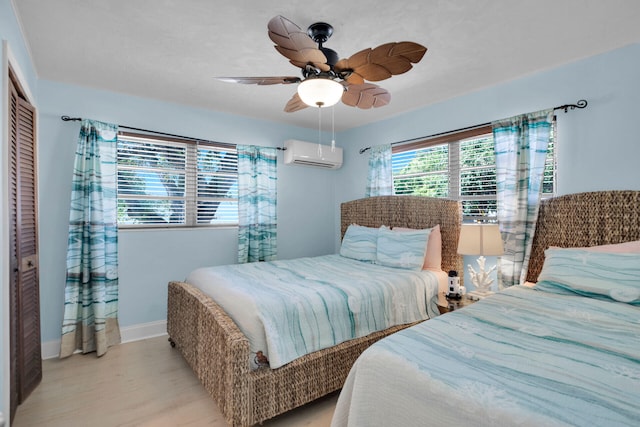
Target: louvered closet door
{"points": [[13, 262], [26, 358]]}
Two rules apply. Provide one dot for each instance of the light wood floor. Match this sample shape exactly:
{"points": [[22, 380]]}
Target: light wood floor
{"points": [[143, 383]]}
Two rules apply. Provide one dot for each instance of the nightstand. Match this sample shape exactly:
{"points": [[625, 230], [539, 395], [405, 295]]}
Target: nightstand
{"points": [[446, 305]]}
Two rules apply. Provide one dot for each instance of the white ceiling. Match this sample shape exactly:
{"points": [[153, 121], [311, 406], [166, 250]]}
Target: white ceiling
{"points": [[172, 49]]}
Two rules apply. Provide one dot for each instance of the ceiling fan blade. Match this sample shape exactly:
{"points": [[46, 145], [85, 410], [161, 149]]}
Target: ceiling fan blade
{"points": [[365, 96], [410, 50], [261, 80], [382, 62], [295, 45], [295, 104]]}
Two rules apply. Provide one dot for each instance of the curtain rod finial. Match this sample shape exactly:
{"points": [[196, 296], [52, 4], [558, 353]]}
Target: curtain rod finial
{"points": [[580, 104]]}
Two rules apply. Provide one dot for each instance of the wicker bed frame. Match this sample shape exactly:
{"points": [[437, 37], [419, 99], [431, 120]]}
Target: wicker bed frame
{"points": [[584, 219], [218, 352]]}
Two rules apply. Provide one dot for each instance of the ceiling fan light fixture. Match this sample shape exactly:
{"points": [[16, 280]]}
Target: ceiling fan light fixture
{"points": [[320, 92]]}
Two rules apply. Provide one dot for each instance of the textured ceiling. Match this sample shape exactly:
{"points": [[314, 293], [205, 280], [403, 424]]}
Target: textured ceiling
{"points": [[171, 50]]}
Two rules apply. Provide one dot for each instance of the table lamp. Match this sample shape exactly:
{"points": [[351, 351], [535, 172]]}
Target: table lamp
{"points": [[480, 239]]}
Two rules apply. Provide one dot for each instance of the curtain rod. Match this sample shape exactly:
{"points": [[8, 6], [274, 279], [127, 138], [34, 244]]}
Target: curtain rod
{"points": [[77, 119], [566, 107]]}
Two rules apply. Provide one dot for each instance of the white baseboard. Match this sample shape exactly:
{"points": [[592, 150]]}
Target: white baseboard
{"points": [[143, 331], [51, 349]]}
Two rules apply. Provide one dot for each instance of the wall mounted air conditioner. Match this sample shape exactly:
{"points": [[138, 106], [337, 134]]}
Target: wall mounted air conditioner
{"points": [[312, 154]]}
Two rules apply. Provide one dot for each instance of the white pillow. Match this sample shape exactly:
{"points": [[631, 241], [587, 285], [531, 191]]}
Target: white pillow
{"points": [[402, 250], [615, 248], [602, 275], [360, 243], [433, 257]]}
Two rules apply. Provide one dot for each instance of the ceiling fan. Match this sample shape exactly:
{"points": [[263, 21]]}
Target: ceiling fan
{"points": [[325, 78]]}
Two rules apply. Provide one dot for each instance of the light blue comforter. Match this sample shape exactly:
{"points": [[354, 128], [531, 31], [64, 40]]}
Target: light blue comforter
{"points": [[307, 304], [520, 357]]}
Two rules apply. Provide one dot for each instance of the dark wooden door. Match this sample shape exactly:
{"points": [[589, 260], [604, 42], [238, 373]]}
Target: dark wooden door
{"points": [[26, 357]]}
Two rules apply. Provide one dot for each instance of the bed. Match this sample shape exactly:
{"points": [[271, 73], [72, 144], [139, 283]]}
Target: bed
{"points": [[565, 351], [219, 353]]}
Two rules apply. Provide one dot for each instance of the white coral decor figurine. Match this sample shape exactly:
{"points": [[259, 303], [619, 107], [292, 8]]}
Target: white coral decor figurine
{"points": [[481, 279]]}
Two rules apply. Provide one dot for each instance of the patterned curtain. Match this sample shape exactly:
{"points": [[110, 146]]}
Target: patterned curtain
{"points": [[380, 179], [521, 147], [91, 290], [257, 196]]}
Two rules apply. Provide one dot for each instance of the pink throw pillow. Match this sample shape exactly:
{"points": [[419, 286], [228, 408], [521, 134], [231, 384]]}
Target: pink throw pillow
{"points": [[617, 248]]}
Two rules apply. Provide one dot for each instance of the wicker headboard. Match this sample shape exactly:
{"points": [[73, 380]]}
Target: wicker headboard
{"points": [[584, 219], [411, 212]]}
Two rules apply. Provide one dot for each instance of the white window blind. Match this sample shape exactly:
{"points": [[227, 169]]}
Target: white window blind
{"points": [[549, 178], [477, 174], [422, 172], [165, 182], [458, 166]]}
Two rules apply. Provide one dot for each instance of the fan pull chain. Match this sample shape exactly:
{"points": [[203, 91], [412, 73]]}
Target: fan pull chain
{"points": [[333, 129], [319, 131]]}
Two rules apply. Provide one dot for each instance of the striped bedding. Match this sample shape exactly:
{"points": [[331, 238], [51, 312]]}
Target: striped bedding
{"points": [[521, 357], [293, 307]]}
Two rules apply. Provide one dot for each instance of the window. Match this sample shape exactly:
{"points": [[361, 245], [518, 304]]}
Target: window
{"points": [[459, 166], [169, 182]]}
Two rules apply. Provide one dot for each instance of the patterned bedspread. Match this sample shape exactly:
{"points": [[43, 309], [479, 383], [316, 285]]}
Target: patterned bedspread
{"points": [[521, 357], [293, 307]]}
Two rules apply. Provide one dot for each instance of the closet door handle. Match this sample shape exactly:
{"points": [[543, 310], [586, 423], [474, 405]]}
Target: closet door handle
{"points": [[28, 263]]}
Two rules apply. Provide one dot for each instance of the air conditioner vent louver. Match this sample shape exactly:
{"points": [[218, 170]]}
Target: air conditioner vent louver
{"points": [[311, 154], [316, 164]]}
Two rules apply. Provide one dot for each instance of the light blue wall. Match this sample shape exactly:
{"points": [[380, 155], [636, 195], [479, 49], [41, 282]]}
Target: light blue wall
{"points": [[10, 31], [149, 259], [12, 42], [598, 147]]}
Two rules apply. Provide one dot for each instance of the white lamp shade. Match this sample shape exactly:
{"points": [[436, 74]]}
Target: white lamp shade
{"points": [[320, 92], [480, 239]]}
